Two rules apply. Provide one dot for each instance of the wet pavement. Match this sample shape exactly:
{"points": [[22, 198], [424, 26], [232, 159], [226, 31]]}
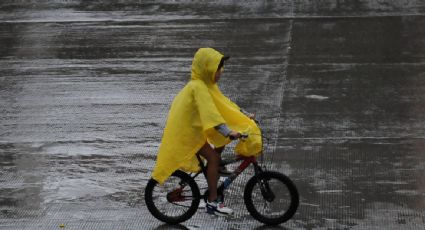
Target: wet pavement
{"points": [[85, 88]]}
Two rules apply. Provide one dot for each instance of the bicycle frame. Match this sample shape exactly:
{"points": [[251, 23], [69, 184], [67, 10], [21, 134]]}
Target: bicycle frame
{"points": [[246, 161]]}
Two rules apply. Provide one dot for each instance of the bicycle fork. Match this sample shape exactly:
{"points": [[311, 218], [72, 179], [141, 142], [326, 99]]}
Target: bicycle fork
{"points": [[264, 185]]}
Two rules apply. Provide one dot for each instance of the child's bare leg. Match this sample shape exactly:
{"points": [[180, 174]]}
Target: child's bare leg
{"points": [[221, 167], [212, 171], [219, 150]]}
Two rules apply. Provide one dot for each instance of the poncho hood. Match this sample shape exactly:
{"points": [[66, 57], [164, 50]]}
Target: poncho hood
{"points": [[204, 65]]}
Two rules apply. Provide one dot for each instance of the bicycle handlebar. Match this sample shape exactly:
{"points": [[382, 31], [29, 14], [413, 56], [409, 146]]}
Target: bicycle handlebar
{"points": [[243, 136]]}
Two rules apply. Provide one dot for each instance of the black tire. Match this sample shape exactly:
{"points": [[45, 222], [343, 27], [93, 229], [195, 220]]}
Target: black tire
{"points": [[282, 207], [171, 202]]}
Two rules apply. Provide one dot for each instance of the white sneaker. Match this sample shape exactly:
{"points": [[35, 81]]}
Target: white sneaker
{"points": [[218, 208]]}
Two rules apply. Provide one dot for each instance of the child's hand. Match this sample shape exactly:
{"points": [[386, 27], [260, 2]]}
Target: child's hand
{"points": [[233, 135]]}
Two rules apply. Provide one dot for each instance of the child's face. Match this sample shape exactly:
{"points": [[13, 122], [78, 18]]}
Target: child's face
{"points": [[218, 75]]}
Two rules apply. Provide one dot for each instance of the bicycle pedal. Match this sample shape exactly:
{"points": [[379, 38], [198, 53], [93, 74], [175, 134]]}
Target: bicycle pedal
{"points": [[202, 204], [224, 174]]}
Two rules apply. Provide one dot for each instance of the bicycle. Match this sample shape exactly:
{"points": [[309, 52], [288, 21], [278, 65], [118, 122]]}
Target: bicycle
{"points": [[269, 196]]}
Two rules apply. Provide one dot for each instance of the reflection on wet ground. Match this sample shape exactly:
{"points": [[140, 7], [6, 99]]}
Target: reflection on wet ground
{"points": [[85, 87]]}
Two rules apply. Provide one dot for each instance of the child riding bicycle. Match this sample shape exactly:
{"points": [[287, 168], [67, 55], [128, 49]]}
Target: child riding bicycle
{"points": [[201, 117]]}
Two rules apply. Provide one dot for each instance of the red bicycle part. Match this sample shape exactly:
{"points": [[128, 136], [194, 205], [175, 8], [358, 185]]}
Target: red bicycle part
{"points": [[175, 195]]}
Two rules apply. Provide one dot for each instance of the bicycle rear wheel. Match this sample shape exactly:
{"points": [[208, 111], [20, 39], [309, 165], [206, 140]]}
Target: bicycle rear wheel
{"points": [[175, 201], [271, 198]]}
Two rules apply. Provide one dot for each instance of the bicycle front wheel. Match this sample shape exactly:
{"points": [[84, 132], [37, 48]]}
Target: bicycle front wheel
{"points": [[271, 198], [175, 201]]}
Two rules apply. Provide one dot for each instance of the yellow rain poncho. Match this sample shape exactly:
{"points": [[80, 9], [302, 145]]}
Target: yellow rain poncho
{"points": [[195, 111]]}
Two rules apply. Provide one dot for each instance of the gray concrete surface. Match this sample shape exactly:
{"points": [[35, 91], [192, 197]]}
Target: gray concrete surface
{"points": [[85, 87]]}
